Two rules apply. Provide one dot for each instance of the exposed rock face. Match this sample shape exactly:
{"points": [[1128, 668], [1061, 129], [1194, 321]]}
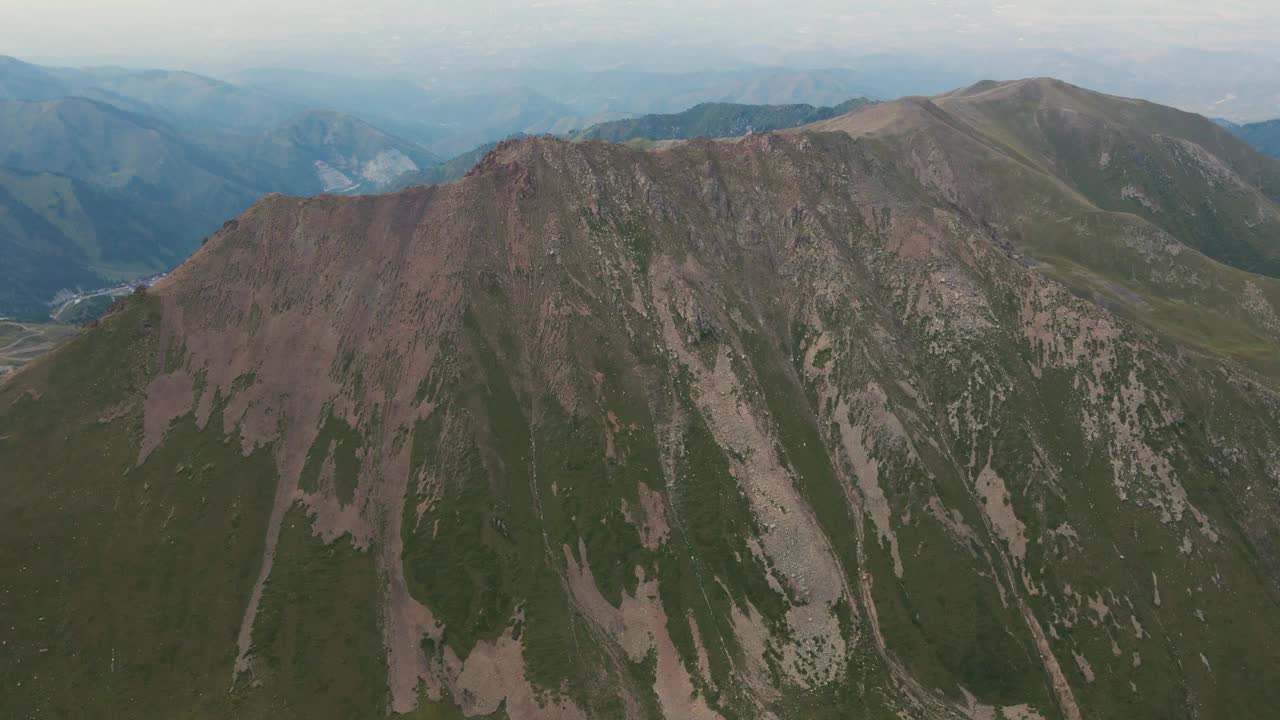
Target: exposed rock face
{"points": [[776, 427]]}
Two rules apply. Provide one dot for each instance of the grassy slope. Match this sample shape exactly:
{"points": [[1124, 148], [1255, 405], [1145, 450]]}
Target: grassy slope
{"points": [[131, 580], [1124, 156], [1025, 159], [183, 529]]}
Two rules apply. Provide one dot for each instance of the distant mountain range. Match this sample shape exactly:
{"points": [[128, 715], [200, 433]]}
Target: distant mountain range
{"points": [[178, 98], [111, 174], [454, 114], [1265, 136]]}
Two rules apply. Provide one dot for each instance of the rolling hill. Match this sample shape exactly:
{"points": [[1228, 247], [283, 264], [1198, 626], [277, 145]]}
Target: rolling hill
{"points": [[914, 412]]}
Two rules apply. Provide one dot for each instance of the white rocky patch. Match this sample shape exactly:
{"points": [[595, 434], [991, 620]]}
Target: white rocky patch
{"points": [[332, 180], [386, 166], [1133, 192]]}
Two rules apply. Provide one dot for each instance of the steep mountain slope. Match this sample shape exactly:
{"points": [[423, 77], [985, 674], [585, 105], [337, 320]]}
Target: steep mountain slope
{"points": [[1265, 136], [715, 120], [784, 426]]}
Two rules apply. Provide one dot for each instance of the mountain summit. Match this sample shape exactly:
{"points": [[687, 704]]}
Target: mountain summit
{"points": [[959, 407]]}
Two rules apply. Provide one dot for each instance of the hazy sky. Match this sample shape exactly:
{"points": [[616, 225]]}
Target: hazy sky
{"points": [[331, 33]]}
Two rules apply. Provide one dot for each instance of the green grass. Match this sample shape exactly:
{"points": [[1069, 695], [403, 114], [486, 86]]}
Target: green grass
{"points": [[307, 664], [124, 585], [341, 442]]}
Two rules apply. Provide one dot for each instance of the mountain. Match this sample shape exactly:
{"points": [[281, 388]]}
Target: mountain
{"points": [[455, 168], [57, 232], [93, 194], [715, 120], [890, 416], [323, 151], [455, 112], [215, 174], [136, 194], [1180, 171], [97, 142], [1265, 136]]}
